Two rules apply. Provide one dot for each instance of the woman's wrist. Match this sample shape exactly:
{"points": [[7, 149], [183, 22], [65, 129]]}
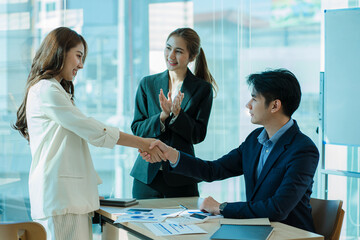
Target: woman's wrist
{"points": [[164, 116]]}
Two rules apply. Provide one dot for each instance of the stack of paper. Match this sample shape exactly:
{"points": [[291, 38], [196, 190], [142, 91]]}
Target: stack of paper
{"points": [[167, 229], [145, 214]]}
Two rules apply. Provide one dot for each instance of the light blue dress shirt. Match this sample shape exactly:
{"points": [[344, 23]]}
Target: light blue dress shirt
{"points": [[268, 144]]}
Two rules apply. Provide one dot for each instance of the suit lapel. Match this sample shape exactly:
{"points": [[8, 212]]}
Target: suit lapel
{"points": [[188, 88], [253, 165], [279, 148], [162, 83]]}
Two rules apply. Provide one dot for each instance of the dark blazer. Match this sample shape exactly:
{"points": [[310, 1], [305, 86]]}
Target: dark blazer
{"points": [[282, 192], [189, 127]]}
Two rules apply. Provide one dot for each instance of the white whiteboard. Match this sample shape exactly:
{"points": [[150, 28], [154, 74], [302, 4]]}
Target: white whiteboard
{"points": [[342, 77]]}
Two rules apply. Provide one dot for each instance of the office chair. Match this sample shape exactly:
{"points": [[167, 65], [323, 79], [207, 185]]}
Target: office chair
{"points": [[22, 231], [328, 217]]}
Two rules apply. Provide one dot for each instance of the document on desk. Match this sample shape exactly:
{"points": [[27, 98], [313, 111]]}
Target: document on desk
{"points": [[152, 215], [169, 229]]}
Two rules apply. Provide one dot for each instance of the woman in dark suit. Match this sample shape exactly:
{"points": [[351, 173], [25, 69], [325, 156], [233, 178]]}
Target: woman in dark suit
{"points": [[179, 119]]}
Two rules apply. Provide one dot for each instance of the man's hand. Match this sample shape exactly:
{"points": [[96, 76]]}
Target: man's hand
{"points": [[165, 104], [169, 153], [210, 205]]}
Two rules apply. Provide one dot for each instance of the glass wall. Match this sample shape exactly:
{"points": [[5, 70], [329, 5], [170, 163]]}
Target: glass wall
{"points": [[126, 40]]}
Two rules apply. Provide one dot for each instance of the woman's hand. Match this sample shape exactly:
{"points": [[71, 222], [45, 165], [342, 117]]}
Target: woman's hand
{"points": [[176, 105], [165, 104]]}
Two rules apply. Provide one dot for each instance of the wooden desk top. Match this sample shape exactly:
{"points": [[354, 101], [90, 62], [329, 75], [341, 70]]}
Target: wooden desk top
{"points": [[281, 231]]}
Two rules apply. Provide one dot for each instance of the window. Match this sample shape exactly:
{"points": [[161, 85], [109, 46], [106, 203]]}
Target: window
{"points": [[126, 40]]}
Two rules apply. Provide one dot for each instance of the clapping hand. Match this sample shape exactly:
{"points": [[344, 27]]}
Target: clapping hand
{"points": [[165, 104], [176, 105]]}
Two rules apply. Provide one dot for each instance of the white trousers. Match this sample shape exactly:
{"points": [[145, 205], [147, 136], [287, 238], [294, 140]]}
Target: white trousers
{"points": [[68, 227]]}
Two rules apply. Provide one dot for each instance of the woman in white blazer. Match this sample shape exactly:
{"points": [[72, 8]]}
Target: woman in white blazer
{"points": [[62, 179]]}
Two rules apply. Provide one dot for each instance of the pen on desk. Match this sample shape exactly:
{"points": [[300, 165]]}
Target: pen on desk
{"points": [[182, 206]]}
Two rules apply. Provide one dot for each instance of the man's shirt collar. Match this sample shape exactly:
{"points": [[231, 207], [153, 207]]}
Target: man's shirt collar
{"points": [[263, 137]]}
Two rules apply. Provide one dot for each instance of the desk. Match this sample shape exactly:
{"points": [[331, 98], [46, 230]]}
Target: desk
{"points": [[139, 231]]}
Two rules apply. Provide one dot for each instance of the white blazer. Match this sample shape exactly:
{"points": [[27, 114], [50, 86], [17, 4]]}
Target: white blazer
{"points": [[62, 177]]}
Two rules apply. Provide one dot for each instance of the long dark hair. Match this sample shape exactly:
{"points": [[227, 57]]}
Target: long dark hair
{"points": [[48, 62], [193, 44]]}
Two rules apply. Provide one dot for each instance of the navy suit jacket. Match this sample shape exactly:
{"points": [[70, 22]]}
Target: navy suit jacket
{"points": [[282, 192], [189, 127]]}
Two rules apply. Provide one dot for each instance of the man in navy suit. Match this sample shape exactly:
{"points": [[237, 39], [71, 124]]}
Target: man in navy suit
{"points": [[277, 160]]}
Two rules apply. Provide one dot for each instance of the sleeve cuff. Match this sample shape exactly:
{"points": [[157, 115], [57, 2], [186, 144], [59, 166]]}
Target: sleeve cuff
{"points": [[162, 126], [112, 135], [233, 209], [173, 165], [173, 119]]}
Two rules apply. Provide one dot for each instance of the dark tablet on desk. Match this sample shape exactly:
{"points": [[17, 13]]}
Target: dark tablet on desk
{"points": [[118, 202], [242, 232]]}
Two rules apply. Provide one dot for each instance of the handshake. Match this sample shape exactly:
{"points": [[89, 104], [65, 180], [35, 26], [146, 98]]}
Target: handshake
{"points": [[157, 151]]}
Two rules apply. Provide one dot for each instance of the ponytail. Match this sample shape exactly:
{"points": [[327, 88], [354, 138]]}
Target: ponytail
{"points": [[202, 70]]}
